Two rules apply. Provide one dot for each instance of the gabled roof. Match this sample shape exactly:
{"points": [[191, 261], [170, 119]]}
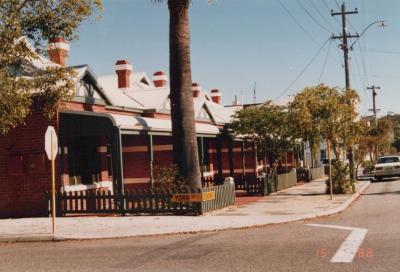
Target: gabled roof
{"points": [[139, 81], [142, 94], [83, 73], [222, 114], [151, 99]]}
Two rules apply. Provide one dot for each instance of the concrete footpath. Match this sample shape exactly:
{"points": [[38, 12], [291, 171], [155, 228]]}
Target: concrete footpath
{"points": [[301, 202]]}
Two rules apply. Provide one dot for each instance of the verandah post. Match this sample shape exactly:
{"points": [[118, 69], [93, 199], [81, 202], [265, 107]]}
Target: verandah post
{"points": [[243, 151], [150, 152], [219, 159], [230, 152]]}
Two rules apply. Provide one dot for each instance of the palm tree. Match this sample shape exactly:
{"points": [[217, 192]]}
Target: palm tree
{"points": [[185, 150]]}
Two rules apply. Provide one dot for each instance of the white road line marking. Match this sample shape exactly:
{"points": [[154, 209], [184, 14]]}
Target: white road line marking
{"points": [[350, 246]]}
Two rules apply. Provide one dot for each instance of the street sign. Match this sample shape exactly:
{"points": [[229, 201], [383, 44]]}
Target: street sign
{"points": [[51, 147], [51, 143], [194, 197]]}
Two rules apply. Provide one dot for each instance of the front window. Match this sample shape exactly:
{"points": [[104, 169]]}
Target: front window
{"points": [[388, 160]]}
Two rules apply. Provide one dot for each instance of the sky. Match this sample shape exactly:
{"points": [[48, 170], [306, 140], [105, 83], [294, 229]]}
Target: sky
{"points": [[237, 43]]}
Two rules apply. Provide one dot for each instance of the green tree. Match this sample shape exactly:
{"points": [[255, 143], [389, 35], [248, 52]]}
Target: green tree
{"points": [[305, 111], [329, 113], [185, 150], [270, 126], [323, 111], [372, 137], [25, 27]]}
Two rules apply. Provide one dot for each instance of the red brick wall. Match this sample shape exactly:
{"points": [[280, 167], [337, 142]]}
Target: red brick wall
{"points": [[135, 156], [25, 173]]}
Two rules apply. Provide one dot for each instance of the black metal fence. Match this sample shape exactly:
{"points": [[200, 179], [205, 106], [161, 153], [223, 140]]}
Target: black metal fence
{"points": [[263, 185], [306, 175], [303, 174]]}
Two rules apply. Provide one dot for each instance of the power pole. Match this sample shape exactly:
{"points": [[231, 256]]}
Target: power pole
{"points": [[254, 93], [345, 35], [344, 46], [374, 110]]}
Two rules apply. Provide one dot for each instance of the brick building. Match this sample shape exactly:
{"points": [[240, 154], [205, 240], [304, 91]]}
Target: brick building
{"points": [[112, 135]]}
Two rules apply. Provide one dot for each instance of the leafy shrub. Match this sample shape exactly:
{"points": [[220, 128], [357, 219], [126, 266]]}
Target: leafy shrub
{"points": [[341, 182], [168, 177]]}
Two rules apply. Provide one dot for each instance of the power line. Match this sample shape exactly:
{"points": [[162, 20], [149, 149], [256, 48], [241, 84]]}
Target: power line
{"points": [[326, 5], [304, 69], [312, 17], [337, 4], [363, 64], [338, 54], [380, 51], [326, 60], [298, 23], [319, 13], [362, 84], [365, 76], [330, 9], [378, 76]]}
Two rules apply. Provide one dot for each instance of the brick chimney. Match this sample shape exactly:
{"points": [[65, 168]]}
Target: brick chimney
{"points": [[123, 69], [160, 79], [196, 88], [58, 49], [216, 96]]}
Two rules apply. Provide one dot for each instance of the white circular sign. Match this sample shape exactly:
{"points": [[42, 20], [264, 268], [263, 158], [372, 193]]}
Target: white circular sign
{"points": [[51, 143]]}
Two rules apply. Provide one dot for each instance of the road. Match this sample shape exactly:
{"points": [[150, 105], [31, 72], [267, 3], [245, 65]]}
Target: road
{"points": [[287, 247]]}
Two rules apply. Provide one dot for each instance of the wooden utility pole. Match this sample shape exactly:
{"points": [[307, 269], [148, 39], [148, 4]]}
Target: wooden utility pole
{"points": [[373, 88], [344, 46], [344, 37]]}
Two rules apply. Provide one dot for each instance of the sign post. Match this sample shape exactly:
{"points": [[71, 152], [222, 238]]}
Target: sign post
{"points": [[51, 147]]}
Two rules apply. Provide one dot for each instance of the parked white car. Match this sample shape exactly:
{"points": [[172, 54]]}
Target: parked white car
{"points": [[386, 167]]}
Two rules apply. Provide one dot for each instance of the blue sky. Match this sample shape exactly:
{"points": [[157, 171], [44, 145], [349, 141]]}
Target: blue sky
{"points": [[238, 42]]}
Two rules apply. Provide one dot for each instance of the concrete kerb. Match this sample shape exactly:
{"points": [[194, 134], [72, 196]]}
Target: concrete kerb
{"points": [[304, 217], [28, 238]]}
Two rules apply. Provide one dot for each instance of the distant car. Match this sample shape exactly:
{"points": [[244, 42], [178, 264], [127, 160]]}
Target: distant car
{"points": [[387, 167]]}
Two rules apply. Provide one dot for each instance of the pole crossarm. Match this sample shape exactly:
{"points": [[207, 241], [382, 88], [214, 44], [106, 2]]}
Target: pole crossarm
{"points": [[355, 11], [348, 36]]}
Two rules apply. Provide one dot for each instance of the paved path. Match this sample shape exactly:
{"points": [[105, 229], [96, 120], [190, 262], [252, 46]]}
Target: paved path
{"points": [[298, 246], [297, 203]]}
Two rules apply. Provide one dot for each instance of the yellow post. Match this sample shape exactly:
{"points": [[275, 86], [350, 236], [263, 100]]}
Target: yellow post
{"points": [[53, 183]]}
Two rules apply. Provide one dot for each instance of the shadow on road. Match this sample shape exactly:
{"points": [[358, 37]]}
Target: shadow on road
{"points": [[384, 180], [383, 193]]}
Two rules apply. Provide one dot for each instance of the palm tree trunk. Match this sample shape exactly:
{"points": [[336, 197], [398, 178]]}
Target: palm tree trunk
{"points": [[182, 110]]}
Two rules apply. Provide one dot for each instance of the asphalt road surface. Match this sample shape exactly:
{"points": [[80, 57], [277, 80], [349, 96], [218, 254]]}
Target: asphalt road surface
{"points": [[287, 247]]}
